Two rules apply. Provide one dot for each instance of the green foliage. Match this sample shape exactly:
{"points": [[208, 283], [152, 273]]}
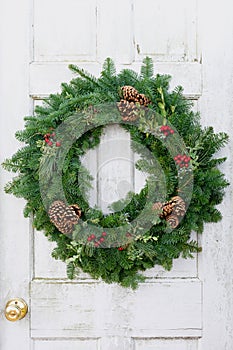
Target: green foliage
{"points": [[147, 69], [141, 249]]}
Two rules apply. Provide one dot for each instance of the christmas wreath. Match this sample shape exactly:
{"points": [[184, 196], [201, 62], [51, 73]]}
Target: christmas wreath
{"points": [[182, 189]]}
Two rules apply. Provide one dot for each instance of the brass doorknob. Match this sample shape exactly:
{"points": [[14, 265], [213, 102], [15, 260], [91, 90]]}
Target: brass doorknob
{"points": [[16, 309]]}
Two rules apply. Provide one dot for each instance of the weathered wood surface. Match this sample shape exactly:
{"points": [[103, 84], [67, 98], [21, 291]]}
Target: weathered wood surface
{"points": [[93, 309], [188, 308]]}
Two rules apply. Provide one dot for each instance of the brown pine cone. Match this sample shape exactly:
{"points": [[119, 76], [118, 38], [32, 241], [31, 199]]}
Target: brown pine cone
{"points": [[171, 210], [129, 110], [143, 100], [130, 94], [179, 207], [173, 220], [167, 208], [175, 205], [76, 209], [64, 217]]}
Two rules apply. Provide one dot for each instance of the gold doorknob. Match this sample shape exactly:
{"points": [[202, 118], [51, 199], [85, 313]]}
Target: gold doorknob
{"points": [[16, 309]]}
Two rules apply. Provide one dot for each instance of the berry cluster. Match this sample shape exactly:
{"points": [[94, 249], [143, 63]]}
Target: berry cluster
{"points": [[97, 241], [182, 160], [50, 139], [120, 248], [166, 130]]}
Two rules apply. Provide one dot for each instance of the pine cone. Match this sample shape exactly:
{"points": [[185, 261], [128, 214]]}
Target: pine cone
{"points": [[143, 100], [64, 217], [167, 208], [130, 94], [179, 207], [176, 206], [129, 110], [173, 220], [172, 210]]}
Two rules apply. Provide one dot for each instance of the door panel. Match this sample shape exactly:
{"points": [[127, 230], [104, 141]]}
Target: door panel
{"points": [[172, 27], [92, 309], [67, 34]]}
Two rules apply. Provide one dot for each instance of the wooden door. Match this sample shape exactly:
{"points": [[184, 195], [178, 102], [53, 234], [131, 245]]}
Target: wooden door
{"points": [[188, 308]]}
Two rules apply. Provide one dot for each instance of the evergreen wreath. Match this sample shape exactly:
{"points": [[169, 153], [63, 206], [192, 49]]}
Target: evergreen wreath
{"points": [[158, 120]]}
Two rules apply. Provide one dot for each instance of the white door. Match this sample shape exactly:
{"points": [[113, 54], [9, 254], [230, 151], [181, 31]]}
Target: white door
{"points": [[188, 308]]}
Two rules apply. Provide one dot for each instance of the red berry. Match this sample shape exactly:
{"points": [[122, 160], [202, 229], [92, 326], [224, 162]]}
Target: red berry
{"points": [[101, 239], [120, 248], [172, 131], [58, 144], [89, 239], [93, 236], [53, 134], [166, 133], [47, 140], [50, 143], [186, 165], [104, 234], [96, 244]]}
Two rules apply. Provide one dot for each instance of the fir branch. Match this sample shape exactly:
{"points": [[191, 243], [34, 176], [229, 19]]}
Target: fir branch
{"points": [[84, 74], [109, 69], [147, 68]]}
